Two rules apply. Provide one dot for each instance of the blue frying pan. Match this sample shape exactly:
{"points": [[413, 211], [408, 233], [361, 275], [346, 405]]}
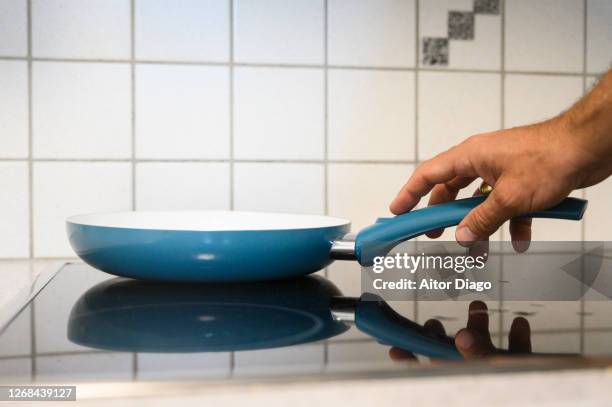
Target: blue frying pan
{"points": [[243, 246]]}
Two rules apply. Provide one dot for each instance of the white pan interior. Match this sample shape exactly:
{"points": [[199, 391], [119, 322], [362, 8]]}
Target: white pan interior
{"points": [[206, 220]]}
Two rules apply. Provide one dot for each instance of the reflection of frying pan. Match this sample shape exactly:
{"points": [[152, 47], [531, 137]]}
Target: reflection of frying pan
{"points": [[239, 246], [141, 316]]}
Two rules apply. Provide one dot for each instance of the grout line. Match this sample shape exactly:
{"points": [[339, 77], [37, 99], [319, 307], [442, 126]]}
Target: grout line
{"points": [[134, 366], [133, 132], [133, 96], [204, 160], [280, 65], [502, 63], [30, 136], [232, 361], [583, 192], [231, 103], [326, 123], [417, 56]]}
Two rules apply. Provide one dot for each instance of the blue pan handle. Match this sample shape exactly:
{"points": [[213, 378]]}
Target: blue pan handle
{"points": [[376, 318], [382, 236]]}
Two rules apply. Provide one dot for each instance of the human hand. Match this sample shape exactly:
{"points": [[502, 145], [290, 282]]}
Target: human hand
{"points": [[531, 168]]}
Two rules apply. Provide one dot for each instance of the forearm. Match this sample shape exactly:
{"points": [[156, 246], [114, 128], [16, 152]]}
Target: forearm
{"points": [[589, 124]]}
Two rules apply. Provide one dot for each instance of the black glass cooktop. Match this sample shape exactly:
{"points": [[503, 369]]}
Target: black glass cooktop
{"points": [[88, 326]]}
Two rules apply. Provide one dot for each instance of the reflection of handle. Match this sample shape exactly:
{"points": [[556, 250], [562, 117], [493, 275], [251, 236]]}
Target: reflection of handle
{"points": [[379, 238], [376, 318]]}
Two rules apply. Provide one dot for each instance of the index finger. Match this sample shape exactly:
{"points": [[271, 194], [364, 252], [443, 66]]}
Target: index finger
{"points": [[442, 168]]}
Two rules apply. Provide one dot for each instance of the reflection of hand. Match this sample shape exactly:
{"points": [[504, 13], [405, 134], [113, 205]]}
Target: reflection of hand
{"points": [[474, 341]]}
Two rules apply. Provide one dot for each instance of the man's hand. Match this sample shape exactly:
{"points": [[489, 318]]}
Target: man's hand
{"points": [[531, 168]]}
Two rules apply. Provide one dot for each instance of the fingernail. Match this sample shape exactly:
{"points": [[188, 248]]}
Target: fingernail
{"points": [[465, 237], [464, 340]]}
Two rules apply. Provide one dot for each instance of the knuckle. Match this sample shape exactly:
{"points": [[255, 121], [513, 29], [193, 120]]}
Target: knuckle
{"points": [[472, 140], [507, 201]]}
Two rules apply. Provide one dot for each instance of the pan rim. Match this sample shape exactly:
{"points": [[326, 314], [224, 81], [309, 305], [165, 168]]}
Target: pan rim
{"points": [[101, 220]]}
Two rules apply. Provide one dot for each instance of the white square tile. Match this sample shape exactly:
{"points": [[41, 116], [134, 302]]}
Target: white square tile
{"points": [[599, 35], [544, 35], [598, 222], [65, 189], [13, 27], [483, 51], [533, 98], [79, 29], [372, 32], [14, 215], [81, 110], [14, 109], [278, 113], [363, 192], [182, 111], [454, 106], [371, 115], [276, 31], [279, 187], [346, 275], [591, 81], [183, 30], [182, 186]]}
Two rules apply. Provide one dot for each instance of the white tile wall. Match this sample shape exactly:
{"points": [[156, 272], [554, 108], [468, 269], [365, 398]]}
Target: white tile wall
{"points": [[77, 29], [80, 110], [14, 214], [182, 186], [456, 105], [545, 35], [482, 52], [372, 32], [279, 187], [182, 112], [14, 109], [362, 192], [599, 35], [182, 30], [276, 31], [532, 98], [279, 113], [13, 27], [62, 189], [214, 113], [371, 115]]}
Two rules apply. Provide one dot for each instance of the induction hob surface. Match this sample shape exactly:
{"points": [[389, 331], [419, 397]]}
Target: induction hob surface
{"points": [[89, 326]]}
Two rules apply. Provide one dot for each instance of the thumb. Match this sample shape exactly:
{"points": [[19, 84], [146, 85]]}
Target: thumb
{"points": [[482, 221]]}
